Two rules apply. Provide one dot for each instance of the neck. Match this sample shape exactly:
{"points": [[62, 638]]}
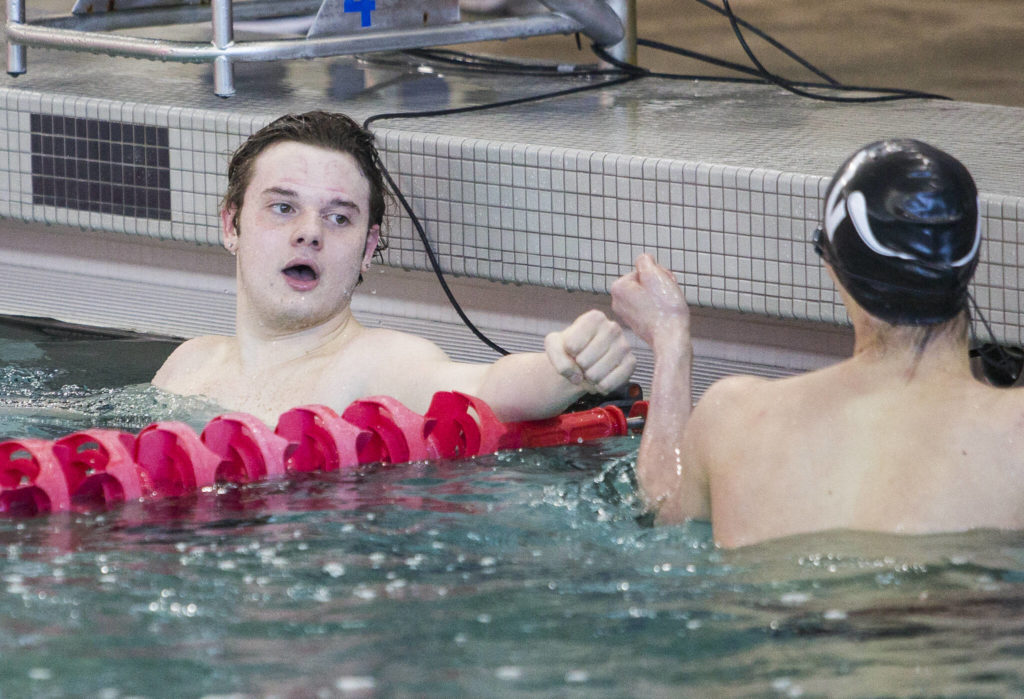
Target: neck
{"points": [[913, 351], [261, 346]]}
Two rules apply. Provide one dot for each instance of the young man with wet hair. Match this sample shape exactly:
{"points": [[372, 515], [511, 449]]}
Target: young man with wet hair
{"points": [[898, 438], [303, 214]]}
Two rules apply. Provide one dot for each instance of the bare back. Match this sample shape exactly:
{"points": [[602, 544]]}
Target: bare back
{"points": [[852, 447]]}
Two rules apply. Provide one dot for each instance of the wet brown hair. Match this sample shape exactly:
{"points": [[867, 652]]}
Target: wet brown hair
{"points": [[328, 130]]}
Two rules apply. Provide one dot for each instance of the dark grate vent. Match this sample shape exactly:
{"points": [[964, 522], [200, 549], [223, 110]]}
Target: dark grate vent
{"points": [[111, 167]]}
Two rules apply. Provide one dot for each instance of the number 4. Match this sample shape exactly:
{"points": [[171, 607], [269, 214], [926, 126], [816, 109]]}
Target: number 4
{"points": [[363, 7]]}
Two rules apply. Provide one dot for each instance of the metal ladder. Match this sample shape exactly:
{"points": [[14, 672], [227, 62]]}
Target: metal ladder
{"points": [[608, 23]]}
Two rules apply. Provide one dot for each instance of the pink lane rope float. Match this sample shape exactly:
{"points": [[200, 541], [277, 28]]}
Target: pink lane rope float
{"points": [[102, 467]]}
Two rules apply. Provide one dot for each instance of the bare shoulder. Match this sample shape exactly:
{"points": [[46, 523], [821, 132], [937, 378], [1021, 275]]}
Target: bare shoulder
{"points": [[404, 366], [385, 358], [1008, 404], [188, 359], [389, 345], [726, 404], [726, 393]]}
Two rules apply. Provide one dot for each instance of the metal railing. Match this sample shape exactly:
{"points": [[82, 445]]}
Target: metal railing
{"points": [[606, 22]]}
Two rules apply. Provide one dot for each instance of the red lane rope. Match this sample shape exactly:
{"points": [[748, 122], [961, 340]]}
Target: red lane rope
{"points": [[101, 467]]}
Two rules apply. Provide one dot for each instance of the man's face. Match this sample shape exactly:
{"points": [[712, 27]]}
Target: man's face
{"points": [[303, 235]]}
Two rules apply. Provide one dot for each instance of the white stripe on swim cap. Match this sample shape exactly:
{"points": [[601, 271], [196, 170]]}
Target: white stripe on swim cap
{"points": [[977, 239], [856, 205], [835, 212]]}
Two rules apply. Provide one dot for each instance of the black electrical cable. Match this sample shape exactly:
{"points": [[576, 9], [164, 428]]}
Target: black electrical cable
{"points": [[771, 40], [473, 62], [620, 67], [627, 73], [792, 87], [703, 57], [435, 265], [1008, 366], [759, 80], [647, 73]]}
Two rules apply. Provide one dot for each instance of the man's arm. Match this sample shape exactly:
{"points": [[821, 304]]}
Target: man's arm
{"points": [[590, 356], [671, 477]]}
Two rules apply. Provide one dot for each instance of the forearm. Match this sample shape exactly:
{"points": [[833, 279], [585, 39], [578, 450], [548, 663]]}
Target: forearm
{"points": [[660, 466], [526, 387]]}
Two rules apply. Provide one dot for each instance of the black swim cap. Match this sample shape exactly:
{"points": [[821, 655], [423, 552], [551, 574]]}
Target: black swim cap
{"points": [[902, 232]]}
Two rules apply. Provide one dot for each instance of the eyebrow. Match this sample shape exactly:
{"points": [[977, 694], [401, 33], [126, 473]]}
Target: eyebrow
{"points": [[336, 202]]}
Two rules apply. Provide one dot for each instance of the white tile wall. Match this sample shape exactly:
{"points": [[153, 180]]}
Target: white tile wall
{"points": [[737, 237]]}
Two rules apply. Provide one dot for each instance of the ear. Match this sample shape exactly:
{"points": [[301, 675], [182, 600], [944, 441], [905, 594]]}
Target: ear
{"points": [[372, 237], [230, 233]]}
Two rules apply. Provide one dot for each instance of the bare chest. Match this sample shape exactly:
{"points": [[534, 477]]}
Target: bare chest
{"points": [[269, 390]]}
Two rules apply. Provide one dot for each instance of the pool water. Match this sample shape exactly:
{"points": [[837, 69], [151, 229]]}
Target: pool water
{"points": [[519, 574]]}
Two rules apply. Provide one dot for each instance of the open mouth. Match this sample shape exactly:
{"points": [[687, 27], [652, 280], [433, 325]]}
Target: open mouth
{"points": [[301, 273]]}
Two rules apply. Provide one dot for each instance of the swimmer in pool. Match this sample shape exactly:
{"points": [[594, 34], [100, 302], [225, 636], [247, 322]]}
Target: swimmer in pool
{"points": [[898, 438], [303, 214]]}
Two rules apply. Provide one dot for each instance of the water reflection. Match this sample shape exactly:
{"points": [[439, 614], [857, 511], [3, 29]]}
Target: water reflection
{"points": [[518, 573]]}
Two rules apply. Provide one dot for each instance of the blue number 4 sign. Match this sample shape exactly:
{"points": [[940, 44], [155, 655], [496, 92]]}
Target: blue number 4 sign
{"points": [[363, 7]]}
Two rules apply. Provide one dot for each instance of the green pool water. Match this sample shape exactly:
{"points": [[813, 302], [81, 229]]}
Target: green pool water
{"points": [[519, 574]]}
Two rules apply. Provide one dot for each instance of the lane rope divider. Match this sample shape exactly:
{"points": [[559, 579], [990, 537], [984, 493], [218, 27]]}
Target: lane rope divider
{"points": [[97, 468]]}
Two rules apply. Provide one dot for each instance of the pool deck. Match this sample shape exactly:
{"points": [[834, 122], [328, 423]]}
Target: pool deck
{"points": [[533, 209]]}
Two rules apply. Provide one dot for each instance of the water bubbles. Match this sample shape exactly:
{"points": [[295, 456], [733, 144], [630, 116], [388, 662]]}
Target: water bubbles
{"points": [[395, 586], [334, 569], [15, 584], [364, 592], [509, 673], [184, 610], [355, 683], [794, 599], [786, 687], [577, 676]]}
